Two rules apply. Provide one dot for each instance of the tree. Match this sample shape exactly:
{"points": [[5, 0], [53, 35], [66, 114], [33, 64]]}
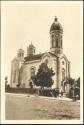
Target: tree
{"points": [[30, 84], [74, 88], [43, 78], [78, 82], [70, 81], [78, 88]]}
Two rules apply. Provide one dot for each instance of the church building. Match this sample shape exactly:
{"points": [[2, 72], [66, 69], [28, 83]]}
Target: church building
{"points": [[22, 68]]}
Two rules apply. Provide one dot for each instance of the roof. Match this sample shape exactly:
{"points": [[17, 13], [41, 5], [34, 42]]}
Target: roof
{"points": [[36, 57], [31, 45], [64, 56], [15, 59], [33, 57], [56, 26]]}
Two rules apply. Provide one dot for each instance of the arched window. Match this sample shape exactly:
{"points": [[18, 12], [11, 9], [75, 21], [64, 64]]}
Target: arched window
{"points": [[46, 61], [52, 39], [22, 54], [34, 50], [33, 71], [63, 74], [56, 42], [52, 36], [14, 78], [63, 62], [61, 41], [52, 43]]}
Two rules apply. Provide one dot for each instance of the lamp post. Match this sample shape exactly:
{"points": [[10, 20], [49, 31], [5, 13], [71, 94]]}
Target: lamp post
{"points": [[6, 80]]}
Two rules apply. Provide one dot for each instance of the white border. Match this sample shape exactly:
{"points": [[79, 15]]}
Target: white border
{"points": [[3, 63]]}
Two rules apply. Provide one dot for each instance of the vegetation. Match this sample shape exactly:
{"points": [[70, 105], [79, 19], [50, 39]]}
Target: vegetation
{"points": [[74, 88], [43, 78], [7, 86], [78, 82]]}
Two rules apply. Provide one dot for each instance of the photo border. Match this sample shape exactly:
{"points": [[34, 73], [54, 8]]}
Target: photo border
{"points": [[1, 60]]}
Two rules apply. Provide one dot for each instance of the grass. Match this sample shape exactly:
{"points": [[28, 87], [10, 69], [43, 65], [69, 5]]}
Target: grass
{"points": [[22, 107]]}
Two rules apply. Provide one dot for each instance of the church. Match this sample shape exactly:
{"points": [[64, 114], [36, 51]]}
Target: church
{"points": [[22, 68]]}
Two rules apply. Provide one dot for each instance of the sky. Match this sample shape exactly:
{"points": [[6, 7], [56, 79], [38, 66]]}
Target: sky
{"points": [[26, 22]]}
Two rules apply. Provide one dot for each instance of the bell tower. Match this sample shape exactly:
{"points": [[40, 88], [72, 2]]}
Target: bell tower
{"points": [[20, 54], [56, 32], [56, 47], [30, 50]]}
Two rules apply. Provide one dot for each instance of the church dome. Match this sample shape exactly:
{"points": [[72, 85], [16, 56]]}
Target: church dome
{"points": [[56, 26], [31, 46]]}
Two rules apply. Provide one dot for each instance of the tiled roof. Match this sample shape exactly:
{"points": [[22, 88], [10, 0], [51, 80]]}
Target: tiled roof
{"points": [[33, 57], [36, 57]]}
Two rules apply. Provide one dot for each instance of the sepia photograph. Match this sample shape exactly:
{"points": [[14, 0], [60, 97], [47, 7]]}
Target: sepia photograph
{"points": [[42, 62]]}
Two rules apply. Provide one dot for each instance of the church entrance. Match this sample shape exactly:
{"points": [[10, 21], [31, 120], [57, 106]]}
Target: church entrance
{"points": [[65, 87]]}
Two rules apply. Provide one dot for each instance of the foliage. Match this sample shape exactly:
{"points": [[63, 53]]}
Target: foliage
{"points": [[78, 82], [70, 81], [75, 89], [31, 85], [18, 85], [44, 75]]}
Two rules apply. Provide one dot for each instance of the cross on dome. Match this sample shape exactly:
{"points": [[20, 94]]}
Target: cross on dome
{"points": [[55, 18]]}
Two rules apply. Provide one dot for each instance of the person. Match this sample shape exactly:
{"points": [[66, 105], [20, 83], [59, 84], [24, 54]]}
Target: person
{"points": [[61, 93], [31, 86]]}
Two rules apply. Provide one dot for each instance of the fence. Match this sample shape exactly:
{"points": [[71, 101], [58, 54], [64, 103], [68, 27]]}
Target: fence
{"points": [[45, 92]]}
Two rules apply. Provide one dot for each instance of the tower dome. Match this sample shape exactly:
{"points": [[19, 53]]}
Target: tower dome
{"points": [[31, 45], [30, 50], [56, 26]]}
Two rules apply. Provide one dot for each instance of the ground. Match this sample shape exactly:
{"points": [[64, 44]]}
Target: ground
{"points": [[24, 107]]}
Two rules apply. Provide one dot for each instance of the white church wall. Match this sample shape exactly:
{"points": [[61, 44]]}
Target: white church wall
{"points": [[49, 58], [14, 73], [64, 65], [26, 72], [54, 66]]}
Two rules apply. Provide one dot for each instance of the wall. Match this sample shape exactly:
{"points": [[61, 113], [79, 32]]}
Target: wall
{"points": [[14, 70], [25, 72], [26, 69], [65, 66]]}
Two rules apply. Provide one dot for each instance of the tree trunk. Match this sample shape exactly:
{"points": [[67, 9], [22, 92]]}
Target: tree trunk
{"points": [[42, 88], [38, 92]]}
